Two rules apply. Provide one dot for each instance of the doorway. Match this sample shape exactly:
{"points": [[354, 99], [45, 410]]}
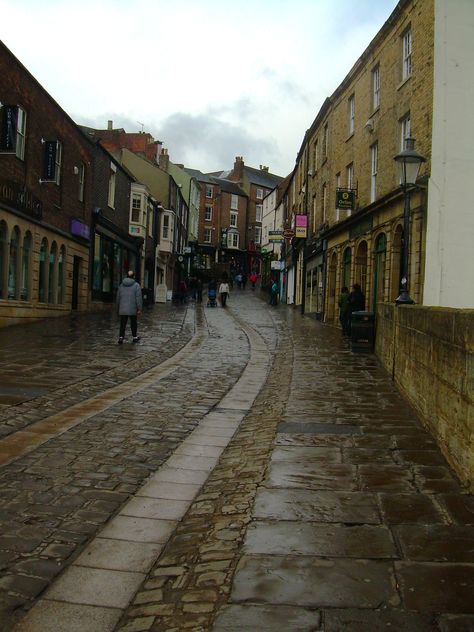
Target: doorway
{"points": [[76, 270]]}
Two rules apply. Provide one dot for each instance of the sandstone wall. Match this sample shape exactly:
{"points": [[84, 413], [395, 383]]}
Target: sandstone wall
{"points": [[429, 351]]}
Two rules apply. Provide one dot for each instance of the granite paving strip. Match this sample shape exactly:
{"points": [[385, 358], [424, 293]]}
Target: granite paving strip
{"points": [[149, 519]]}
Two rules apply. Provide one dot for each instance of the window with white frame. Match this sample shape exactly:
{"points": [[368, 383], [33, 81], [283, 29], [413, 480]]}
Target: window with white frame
{"points": [[234, 202], [233, 240], [376, 87], [233, 220], [405, 129], [258, 235], [209, 190], [258, 212], [207, 235], [82, 181], [165, 231], [20, 134], [351, 106], [112, 178], [406, 58], [208, 213], [136, 208], [259, 194], [350, 175], [325, 140], [374, 160]]}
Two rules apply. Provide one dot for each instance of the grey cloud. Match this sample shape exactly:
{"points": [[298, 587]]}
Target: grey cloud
{"points": [[214, 142]]}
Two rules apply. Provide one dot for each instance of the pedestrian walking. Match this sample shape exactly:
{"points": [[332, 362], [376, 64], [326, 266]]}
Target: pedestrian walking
{"points": [[238, 280], [183, 291], [253, 280], [356, 303], [344, 310], [129, 305], [224, 292], [274, 293], [199, 290]]}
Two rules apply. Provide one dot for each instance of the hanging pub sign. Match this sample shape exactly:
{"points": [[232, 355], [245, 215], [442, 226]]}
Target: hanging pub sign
{"points": [[301, 226], [9, 117], [345, 199], [275, 236], [49, 165]]}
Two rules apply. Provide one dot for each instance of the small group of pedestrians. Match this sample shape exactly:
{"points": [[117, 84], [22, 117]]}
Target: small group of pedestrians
{"points": [[348, 304]]}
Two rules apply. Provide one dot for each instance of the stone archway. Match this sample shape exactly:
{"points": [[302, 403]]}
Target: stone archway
{"points": [[360, 268]]}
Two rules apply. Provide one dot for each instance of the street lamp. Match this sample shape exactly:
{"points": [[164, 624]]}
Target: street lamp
{"points": [[409, 163]]}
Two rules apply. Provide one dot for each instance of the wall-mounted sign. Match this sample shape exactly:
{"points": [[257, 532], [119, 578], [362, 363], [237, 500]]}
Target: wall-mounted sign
{"points": [[301, 226], [275, 236], [345, 199], [288, 233], [9, 117], [21, 198], [49, 165], [79, 229]]}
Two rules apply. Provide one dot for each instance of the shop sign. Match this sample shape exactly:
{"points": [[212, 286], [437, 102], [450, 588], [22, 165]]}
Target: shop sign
{"points": [[20, 198], [288, 233], [135, 230], [277, 265], [275, 236], [345, 199], [301, 226], [49, 166], [79, 229], [8, 128]]}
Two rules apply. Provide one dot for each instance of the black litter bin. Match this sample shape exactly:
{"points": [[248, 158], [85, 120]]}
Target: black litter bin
{"points": [[362, 332]]}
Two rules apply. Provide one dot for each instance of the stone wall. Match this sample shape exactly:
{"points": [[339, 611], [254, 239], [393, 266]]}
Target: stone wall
{"points": [[429, 351]]}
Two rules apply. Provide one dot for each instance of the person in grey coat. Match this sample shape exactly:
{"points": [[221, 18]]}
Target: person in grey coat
{"points": [[129, 305]]}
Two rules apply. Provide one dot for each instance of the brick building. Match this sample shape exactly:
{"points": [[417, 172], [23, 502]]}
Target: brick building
{"points": [[349, 149], [45, 210]]}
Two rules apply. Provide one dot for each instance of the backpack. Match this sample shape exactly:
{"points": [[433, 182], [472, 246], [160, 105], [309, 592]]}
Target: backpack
{"points": [[274, 288]]}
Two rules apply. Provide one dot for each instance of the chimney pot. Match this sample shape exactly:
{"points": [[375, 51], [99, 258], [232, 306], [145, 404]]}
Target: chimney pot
{"points": [[110, 125]]}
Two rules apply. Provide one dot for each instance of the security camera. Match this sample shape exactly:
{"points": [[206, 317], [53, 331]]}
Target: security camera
{"points": [[370, 125]]}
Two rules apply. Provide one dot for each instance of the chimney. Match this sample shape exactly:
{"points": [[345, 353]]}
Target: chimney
{"points": [[110, 125], [164, 159], [158, 146], [263, 168], [238, 175]]}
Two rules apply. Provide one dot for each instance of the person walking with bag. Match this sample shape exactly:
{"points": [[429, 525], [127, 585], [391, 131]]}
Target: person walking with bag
{"points": [[129, 305]]}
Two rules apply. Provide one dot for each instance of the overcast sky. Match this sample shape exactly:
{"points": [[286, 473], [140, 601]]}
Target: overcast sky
{"points": [[211, 79]]}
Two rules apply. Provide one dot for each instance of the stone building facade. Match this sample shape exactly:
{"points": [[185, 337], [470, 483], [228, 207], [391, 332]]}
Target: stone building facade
{"points": [[349, 149]]}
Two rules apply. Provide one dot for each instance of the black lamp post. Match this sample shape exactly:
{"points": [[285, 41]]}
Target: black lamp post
{"points": [[409, 163]]}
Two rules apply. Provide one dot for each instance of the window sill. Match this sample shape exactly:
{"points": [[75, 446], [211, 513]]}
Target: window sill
{"points": [[375, 111], [324, 161], [351, 135], [403, 82]]}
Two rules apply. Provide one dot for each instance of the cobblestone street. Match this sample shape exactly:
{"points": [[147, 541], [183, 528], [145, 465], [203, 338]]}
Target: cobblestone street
{"points": [[238, 469]]}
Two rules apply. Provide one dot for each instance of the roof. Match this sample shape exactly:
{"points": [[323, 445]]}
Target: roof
{"points": [[262, 178], [199, 175], [229, 187]]}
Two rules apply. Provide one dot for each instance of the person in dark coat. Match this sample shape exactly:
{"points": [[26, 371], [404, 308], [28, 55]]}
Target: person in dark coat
{"points": [[356, 304], [129, 305], [344, 310]]}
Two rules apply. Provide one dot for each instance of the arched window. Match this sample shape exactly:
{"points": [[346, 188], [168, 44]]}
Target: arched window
{"points": [[379, 269], [346, 268], [43, 263], [13, 263], [52, 273], [3, 257], [361, 266], [396, 264], [61, 271], [25, 267]]}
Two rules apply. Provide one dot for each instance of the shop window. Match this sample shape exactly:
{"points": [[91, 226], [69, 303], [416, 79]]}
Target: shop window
{"points": [[42, 279], [3, 256], [52, 273], [61, 274], [346, 268], [13, 263], [25, 267]]}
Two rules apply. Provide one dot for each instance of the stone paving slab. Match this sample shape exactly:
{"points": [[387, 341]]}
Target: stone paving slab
{"points": [[309, 581], [352, 620], [119, 555], [54, 616], [339, 477], [318, 506], [328, 540], [238, 618]]}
